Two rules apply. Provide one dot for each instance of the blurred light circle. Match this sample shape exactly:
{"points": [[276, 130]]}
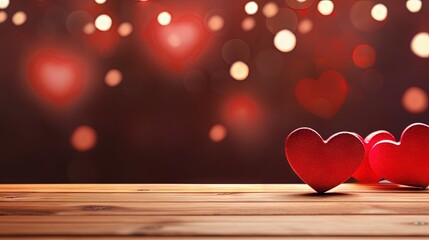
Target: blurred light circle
{"points": [[364, 56], [251, 8], [4, 4], [103, 22], [113, 78], [235, 50], [420, 44], [239, 71], [19, 18], [415, 100], [164, 18], [284, 19], [285, 41], [100, 1], [270, 9], [299, 4], [83, 138], [325, 7], [414, 5], [3, 16], [215, 23], [248, 24], [89, 28], [305, 26], [372, 80], [217, 133], [360, 16], [125, 29], [379, 12], [76, 21]]}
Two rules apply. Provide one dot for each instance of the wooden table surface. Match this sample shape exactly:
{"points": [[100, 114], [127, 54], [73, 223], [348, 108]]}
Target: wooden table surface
{"points": [[196, 212]]}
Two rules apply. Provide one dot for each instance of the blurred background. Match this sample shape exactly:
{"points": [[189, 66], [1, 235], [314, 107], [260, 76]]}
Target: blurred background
{"points": [[195, 91]]}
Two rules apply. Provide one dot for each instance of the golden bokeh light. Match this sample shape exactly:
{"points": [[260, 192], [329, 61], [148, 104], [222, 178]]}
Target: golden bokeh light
{"points": [[420, 44], [19, 18], [251, 8], [248, 23], [89, 28], [217, 133], [4, 4], [83, 138], [325, 7], [103, 22], [3, 16], [125, 29], [215, 23], [285, 41], [164, 18], [415, 100], [100, 1], [305, 26], [239, 71], [379, 12], [414, 5], [113, 78], [270, 9]]}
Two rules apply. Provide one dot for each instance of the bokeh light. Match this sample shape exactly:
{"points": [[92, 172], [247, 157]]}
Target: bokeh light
{"points": [[420, 44], [164, 18], [100, 1], [285, 19], [364, 56], [215, 23], [113, 78], [125, 29], [415, 100], [379, 12], [217, 133], [248, 23], [83, 138], [19, 18], [285, 41], [305, 26], [299, 4], [325, 7], [89, 28], [360, 17], [4, 4], [414, 5], [239, 71], [270, 9], [3, 16], [103, 22], [251, 8]]}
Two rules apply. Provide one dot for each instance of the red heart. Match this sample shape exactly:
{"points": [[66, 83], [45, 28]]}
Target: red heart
{"points": [[364, 174], [56, 76], [405, 162], [322, 97], [178, 43], [321, 164]]}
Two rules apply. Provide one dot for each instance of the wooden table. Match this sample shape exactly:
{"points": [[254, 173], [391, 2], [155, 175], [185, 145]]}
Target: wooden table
{"points": [[195, 212]]}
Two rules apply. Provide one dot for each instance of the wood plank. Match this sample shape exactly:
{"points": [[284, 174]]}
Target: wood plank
{"points": [[218, 225], [212, 208]]}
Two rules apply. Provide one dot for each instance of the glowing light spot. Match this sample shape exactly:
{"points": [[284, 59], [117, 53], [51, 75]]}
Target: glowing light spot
{"points": [[83, 138], [164, 18], [103, 22], [251, 8], [270, 9], [414, 5], [415, 100], [325, 7], [217, 133], [125, 29], [174, 40], [113, 78], [379, 12], [420, 44], [364, 56], [285, 41], [215, 23], [19, 18], [239, 71], [89, 28], [305, 26], [100, 1], [3, 16], [4, 4], [248, 24]]}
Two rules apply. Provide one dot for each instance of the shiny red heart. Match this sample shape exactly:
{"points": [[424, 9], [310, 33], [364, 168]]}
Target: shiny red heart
{"points": [[405, 162], [178, 43], [364, 173], [322, 97], [56, 76], [322, 164]]}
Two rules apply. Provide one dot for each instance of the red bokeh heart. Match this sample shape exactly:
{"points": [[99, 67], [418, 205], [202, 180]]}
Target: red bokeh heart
{"points": [[178, 43], [364, 173], [405, 162], [322, 164], [322, 97]]}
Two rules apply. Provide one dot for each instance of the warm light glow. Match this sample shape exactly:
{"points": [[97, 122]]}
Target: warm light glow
{"points": [[164, 18], [83, 138], [364, 56], [415, 100], [285, 41], [325, 7], [3, 16], [113, 78], [379, 12], [100, 1], [215, 23], [420, 44], [103, 22], [217, 133], [125, 29], [305, 26], [89, 28], [248, 24], [414, 5], [251, 8], [270, 9], [239, 71], [4, 4], [19, 18]]}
